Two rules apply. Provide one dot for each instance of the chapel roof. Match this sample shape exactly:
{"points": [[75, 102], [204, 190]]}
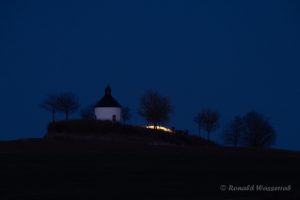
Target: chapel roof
{"points": [[107, 100]]}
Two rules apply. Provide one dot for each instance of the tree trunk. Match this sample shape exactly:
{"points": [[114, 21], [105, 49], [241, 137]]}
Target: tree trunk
{"points": [[208, 133], [53, 115]]}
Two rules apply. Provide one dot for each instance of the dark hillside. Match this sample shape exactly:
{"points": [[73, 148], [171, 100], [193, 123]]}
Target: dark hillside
{"points": [[109, 132], [51, 169]]}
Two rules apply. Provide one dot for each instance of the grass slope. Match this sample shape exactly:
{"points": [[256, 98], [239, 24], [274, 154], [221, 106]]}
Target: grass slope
{"points": [[49, 169], [109, 132]]}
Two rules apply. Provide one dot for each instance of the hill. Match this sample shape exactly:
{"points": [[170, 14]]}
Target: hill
{"points": [[111, 132], [76, 169]]}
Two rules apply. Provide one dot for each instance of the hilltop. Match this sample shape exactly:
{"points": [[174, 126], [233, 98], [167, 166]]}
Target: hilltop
{"points": [[112, 132]]}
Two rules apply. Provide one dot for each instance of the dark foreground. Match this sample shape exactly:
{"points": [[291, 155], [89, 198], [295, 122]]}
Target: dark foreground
{"points": [[44, 170]]}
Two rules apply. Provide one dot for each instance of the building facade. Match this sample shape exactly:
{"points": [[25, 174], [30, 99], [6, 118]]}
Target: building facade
{"points": [[108, 108]]}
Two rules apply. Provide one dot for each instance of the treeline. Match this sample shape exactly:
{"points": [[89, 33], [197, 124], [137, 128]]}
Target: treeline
{"points": [[66, 103], [251, 130]]}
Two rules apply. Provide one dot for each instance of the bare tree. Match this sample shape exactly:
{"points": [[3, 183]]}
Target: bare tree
{"points": [[67, 103], [258, 131], [197, 120], [209, 121], [50, 104], [88, 113], [234, 131], [126, 114], [154, 108]]}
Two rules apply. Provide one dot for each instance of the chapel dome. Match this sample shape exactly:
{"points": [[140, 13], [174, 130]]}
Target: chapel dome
{"points": [[107, 100]]}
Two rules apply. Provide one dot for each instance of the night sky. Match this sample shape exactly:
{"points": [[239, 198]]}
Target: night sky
{"points": [[232, 56]]}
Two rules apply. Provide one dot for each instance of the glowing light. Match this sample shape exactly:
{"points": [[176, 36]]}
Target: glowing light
{"points": [[160, 128]]}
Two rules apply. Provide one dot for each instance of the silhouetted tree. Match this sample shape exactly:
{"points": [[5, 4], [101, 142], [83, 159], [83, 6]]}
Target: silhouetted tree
{"points": [[67, 103], [234, 131], [125, 114], [209, 121], [258, 131], [88, 113], [197, 120], [50, 104], [155, 109]]}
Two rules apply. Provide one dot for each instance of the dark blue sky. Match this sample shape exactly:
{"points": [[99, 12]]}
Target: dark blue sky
{"points": [[233, 56]]}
